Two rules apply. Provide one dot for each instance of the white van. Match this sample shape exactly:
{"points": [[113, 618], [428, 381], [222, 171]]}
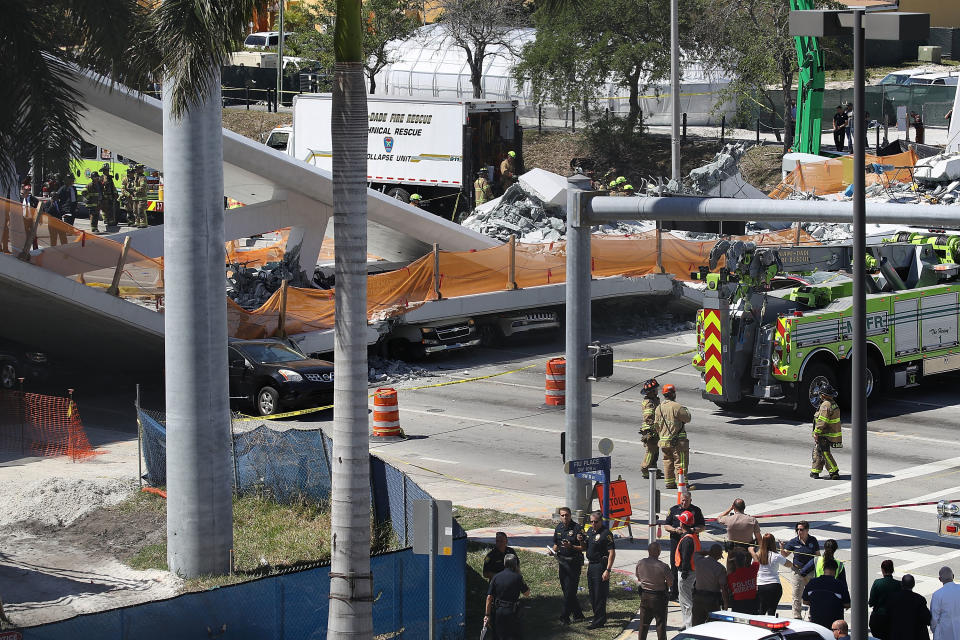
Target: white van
{"points": [[264, 39]]}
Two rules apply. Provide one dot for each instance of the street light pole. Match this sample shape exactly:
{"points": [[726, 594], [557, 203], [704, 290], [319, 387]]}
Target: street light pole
{"points": [[858, 408]]}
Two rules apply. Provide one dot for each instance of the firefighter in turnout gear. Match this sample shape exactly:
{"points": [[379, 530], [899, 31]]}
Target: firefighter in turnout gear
{"points": [[481, 188], [671, 419], [826, 434], [92, 196], [648, 429], [140, 198]]}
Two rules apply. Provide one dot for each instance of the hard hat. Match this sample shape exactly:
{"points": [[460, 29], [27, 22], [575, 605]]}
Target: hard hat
{"points": [[628, 187], [482, 172], [686, 518], [621, 179], [415, 196], [94, 174], [650, 384], [512, 154], [669, 388], [826, 389], [613, 183]]}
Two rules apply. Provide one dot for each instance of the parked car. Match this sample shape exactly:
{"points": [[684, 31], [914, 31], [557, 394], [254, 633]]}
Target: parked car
{"points": [[264, 39], [413, 341], [497, 327], [727, 625], [19, 361], [272, 374]]}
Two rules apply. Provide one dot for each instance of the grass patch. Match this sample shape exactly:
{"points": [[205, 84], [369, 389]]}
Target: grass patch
{"points": [[761, 166], [267, 536], [470, 518], [541, 611]]}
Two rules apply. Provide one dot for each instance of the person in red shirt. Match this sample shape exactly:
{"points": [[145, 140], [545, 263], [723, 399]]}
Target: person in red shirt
{"points": [[742, 582]]}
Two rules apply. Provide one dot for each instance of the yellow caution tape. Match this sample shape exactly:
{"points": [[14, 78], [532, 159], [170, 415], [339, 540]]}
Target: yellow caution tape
{"points": [[672, 355], [274, 416]]}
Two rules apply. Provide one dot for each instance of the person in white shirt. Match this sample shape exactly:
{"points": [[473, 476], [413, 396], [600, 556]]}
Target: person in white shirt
{"points": [[769, 589], [945, 608]]}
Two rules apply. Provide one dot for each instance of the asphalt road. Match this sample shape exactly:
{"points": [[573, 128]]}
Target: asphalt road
{"points": [[491, 442]]}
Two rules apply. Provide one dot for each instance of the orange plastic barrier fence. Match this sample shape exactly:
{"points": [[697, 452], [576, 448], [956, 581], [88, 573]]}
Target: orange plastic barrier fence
{"points": [[556, 384], [261, 255], [831, 176], [472, 272], [386, 413], [40, 425]]}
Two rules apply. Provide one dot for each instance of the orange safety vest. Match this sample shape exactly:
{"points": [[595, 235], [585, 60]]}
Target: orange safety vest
{"points": [[696, 547]]}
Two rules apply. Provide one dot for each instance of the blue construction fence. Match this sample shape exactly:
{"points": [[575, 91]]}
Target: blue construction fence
{"points": [[286, 607], [287, 462]]}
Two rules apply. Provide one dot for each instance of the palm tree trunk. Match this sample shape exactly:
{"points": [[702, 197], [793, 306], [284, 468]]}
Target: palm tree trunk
{"points": [[351, 584], [199, 469]]}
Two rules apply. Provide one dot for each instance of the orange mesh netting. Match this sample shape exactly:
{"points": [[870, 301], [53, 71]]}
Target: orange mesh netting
{"points": [[39, 425], [827, 177], [70, 252], [472, 272], [261, 255]]}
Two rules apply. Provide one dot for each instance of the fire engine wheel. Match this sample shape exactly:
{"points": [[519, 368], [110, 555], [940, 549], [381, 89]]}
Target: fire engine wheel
{"points": [[815, 376], [399, 194]]}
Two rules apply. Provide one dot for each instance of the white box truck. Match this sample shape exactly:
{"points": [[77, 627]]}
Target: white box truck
{"points": [[429, 146]]}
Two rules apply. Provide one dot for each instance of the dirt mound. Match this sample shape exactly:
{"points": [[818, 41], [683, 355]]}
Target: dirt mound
{"points": [[58, 501]]}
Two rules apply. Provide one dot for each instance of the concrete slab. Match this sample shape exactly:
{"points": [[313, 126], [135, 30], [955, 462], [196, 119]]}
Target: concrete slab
{"points": [[132, 125], [548, 186]]}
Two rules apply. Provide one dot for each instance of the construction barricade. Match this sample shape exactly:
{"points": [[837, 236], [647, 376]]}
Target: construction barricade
{"points": [[386, 413], [556, 383], [33, 424]]}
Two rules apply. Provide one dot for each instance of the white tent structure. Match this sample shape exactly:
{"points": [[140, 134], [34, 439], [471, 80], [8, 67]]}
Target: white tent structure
{"points": [[430, 64]]}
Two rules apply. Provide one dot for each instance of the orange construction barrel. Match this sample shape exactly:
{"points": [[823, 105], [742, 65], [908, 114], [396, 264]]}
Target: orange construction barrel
{"points": [[386, 413], [556, 382]]}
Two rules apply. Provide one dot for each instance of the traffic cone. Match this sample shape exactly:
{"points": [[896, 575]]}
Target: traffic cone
{"points": [[681, 484]]}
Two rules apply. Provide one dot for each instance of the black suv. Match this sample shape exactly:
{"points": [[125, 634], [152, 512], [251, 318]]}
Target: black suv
{"points": [[272, 373], [19, 361]]}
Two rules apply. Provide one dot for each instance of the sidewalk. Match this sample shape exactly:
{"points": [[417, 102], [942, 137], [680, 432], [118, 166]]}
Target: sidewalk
{"points": [[537, 539]]}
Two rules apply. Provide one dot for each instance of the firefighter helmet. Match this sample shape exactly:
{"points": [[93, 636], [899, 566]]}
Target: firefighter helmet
{"points": [[686, 518], [650, 385], [669, 388], [826, 389]]}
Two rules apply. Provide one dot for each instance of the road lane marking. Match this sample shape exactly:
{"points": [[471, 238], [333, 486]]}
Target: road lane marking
{"points": [[843, 488], [440, 460], [672, 373], [519, 473], [518, 425]]}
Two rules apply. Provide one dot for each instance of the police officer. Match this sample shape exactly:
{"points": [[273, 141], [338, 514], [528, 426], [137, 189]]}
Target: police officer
{"points": [[655, 581], [481, 188], [826, 434], [91, 196], [503, 600], [671, 418], [648, 430], [601, 552], [568, 545], [108, 201], [140, 198], [508, 171], [493, 561], [710, 591]]}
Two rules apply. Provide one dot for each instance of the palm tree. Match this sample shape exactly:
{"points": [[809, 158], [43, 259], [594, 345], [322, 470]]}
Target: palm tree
{"points": [[351, 584], [195, 38], [39, 116]]}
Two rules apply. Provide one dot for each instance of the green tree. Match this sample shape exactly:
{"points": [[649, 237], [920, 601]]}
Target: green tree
{"points": [[478, 25], [351, 584], [581, 46], [749, 40], [383, 21]]}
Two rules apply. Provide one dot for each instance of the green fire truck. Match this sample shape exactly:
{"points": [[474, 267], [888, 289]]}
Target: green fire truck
{"points": [[776, 321]]}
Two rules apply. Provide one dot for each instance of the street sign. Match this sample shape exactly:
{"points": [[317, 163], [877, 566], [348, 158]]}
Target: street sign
{"points": [[619, 499], [587, 464], [596, 476], [443, 529]]}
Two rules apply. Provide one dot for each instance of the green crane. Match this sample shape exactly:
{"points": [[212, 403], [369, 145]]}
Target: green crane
{"points": [[806, 137]]}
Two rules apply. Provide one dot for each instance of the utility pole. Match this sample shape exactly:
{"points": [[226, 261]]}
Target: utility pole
{"points": [[280, 4]]}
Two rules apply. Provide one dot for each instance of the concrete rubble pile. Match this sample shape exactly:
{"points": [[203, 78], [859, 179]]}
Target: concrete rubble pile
{"points": [[521, 213], [384, 371]]}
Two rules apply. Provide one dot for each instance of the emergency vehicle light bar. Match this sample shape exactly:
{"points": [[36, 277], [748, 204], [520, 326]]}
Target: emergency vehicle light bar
{"points": [[764, 622]]}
